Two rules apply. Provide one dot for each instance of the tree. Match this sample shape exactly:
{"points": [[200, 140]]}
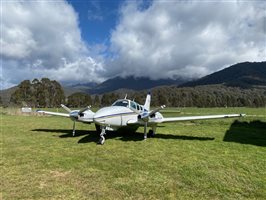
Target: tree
{"points": [[23, 93], [108, 99], [79, 99], [96, 101], [44, 93]]}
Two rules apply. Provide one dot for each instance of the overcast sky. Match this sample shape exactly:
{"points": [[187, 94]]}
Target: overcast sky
{"points": [[91, 41]]}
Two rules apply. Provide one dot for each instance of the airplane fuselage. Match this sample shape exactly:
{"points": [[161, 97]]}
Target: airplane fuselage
{"points": [[114, 116]]}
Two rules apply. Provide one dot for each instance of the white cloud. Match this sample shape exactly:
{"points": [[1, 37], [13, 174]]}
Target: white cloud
{"points": [[159, 39], [186, 38], [42, 39]]}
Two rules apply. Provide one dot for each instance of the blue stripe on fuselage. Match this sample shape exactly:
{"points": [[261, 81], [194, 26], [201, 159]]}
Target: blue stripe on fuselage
{"points": [[112, 115]]}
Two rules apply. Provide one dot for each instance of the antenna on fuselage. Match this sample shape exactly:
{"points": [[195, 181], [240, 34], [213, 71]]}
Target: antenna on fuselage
{"points": [[125, 97]]}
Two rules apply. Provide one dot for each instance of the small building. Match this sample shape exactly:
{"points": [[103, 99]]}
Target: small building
{"points": [[26, 110]]}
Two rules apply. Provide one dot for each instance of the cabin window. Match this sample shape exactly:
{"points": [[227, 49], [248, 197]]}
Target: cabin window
{"points": [[133, 105]]}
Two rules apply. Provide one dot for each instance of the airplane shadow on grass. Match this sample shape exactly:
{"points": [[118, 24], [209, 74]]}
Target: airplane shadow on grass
{"points": [[253, 133], [93, 136]]}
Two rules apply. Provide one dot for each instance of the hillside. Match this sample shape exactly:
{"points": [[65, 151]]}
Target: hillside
{"points": [[217, 86], [68, 90], [6, 94], [131, 83], [245, 74]]}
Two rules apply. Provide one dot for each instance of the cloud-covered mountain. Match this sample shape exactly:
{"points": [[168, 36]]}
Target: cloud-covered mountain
{"points": [[131, 83], [245, 74]]}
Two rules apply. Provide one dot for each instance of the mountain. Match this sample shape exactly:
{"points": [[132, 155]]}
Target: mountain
{"points": [[81, 87], [6, 94], [68, 90], [246, 74], [84, 86], [131, 83]]}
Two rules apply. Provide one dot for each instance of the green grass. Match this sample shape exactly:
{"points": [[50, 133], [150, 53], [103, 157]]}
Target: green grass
{"points": [[214, 159]]}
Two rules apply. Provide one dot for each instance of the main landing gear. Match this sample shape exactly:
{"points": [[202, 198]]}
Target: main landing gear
{"points": [[151, 133], [74, 129]]}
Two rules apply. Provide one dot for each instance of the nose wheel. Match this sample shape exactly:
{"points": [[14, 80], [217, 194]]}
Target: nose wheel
{"points": [[102, 138]]}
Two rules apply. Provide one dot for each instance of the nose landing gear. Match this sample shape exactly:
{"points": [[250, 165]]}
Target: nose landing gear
{"points": [[102, 138]]}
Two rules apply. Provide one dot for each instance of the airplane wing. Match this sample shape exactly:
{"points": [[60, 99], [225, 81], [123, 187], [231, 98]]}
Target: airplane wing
{"points": [[54, 113], [191, 118], [180, 119]]}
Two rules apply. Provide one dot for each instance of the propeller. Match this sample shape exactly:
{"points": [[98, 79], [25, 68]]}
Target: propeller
{"points": [[145, 117], [74, 115]]}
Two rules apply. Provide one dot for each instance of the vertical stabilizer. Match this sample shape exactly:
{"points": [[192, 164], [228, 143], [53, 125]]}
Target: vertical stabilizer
{"points": [[148, 102]]}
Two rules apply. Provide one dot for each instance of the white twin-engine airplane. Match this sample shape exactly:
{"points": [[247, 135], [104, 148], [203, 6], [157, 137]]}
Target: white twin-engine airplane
{"points": [[125, 113]]}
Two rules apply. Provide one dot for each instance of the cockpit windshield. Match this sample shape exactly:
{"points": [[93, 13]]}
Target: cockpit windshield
{"points": [[123, 102], [129, 104]]}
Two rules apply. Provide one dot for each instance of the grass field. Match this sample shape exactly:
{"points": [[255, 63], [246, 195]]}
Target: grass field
{"points": [[214, 159]]}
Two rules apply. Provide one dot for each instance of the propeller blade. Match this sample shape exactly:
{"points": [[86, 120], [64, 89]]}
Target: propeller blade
{"points": [[66, 108], [156, 110], [84, 109]]}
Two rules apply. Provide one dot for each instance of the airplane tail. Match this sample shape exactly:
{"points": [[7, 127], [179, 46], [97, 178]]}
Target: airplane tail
{"points": [[147, 102]]}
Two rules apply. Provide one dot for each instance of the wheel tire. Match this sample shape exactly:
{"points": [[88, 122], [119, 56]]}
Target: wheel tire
{"points": [[151, 133], [101, 140]]}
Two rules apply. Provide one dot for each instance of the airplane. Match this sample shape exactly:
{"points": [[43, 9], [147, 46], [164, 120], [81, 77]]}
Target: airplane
{"points": [[125, 113]]}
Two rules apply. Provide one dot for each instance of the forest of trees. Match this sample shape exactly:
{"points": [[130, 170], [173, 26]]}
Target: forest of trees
{"points": [[209, 96], [38, 93], [47, 93], [200, 96]]}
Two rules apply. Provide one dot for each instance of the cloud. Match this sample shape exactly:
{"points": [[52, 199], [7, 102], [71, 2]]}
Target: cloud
{"points": [[186, 38], [43, 39], [158, 39]]}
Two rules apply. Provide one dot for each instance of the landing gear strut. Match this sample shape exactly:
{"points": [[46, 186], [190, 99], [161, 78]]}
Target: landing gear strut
{"points": [[74, 129], [102, 138]]}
